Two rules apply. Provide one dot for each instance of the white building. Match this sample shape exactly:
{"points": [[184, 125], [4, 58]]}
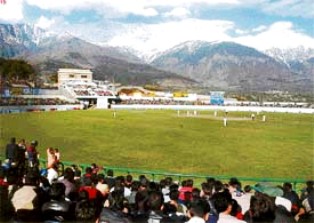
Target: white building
{"points": [[79, 75]]}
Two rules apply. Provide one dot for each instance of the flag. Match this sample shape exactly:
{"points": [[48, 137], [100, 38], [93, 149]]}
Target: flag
{"points": [[3, 1]]}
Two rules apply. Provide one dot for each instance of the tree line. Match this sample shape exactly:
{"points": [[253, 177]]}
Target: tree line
{"points": [[12, 70]]}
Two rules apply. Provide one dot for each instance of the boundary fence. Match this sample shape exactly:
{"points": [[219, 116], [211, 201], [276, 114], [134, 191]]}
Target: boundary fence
{"points": [[156, 174]]}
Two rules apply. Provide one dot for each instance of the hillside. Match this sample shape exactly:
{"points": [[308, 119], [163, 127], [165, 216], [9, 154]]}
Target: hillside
{"points": [[227, 65]]}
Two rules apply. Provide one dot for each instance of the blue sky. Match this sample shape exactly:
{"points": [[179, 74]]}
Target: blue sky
{"points": [[155, 25]]}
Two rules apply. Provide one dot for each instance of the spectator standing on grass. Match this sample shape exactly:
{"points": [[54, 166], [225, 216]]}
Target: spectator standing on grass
{"points": [[57, 155], [11, 151], [32, 154], [51, 158]]}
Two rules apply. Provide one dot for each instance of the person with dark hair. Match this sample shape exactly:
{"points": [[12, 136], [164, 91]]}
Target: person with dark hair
{"points": [[223, 205], [58, 209], [6, 207], [174, 196], [128, 181], [85, 210], [68, 181], [307, 190], [21, 158], [134, 189], [116, 209], [306, 214], [155, 203], [291, 195], [102, 185], [166, 188], [110, 178], [170, 214], [186, 191], [11, 151], [207, 194], [262, 209], [28, 199], [198, 211], [32, 154]]}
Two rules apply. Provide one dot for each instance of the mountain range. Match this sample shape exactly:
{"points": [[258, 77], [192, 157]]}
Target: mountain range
{"points": [[193, 64]]}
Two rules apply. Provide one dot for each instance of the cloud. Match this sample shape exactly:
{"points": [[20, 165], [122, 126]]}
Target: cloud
{"points": [[179, 12], [44, 22], [296, 8], [118, 8], [285, 8], [12, 11], [280, 35], [159, 37], [259, 28]]}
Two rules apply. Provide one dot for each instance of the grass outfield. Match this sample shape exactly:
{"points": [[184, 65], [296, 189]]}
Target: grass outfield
{"points": [[159, 140]]}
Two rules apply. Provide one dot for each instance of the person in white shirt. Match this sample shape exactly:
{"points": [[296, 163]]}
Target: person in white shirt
{"points": [[223, 205]]}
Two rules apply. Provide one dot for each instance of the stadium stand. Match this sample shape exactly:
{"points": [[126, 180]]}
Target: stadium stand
{"points": [[34, 191]]}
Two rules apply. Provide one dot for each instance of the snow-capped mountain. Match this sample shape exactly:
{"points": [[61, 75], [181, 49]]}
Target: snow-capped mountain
{"points": [[220, 65], [300, 54], [228, 65]]}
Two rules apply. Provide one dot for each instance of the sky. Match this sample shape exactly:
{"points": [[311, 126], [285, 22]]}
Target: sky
{"points": [[151, 26]]}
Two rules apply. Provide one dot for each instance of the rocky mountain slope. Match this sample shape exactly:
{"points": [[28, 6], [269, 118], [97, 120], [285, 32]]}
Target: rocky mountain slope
{"points": [[227, 65], [51, 52], [217, 65]]}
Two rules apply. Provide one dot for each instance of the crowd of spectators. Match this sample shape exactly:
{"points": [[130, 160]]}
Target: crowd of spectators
{"points": [[21, 101], [159, 102], [30, 193]]}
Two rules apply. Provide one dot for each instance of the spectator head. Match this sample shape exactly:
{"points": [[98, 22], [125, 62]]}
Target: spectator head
{"points": [[174, 186], [189, 183], [101, 178], [168, 181], [287, 187], [223, 202], [129, 179], [247, 188], [196, 194], [13, 140], [198, 208], [34, 143], [169, 209], [206, 190], [32, 177], [110, 173], [210, 180], [235, 183], [174, 195], [262, 208], [88, 170], [69, 174], [218, 186], [155, 201], [57, 191]]}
